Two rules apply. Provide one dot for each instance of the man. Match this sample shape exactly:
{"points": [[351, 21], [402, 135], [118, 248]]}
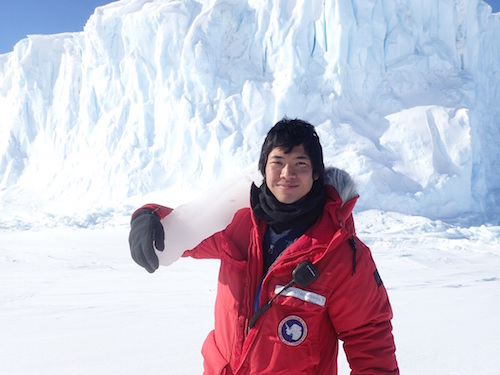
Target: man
{"points": [[273, 315]]}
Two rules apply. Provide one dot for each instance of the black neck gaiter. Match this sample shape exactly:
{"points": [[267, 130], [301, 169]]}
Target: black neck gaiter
{"points": [[281, 216]]}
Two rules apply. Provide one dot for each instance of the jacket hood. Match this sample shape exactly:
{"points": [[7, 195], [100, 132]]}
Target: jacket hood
{"points": [[347, 192], [342, 183]]}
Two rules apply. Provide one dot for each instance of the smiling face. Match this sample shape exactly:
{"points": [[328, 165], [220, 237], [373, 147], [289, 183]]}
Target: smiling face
{"points": [[289, 176]]}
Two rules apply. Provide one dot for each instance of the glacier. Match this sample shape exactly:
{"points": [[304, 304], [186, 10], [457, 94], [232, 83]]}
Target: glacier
{"points": [[164, 99]]}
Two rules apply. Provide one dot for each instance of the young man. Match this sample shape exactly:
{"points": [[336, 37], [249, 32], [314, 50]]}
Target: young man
{"points": [[294, 278]]}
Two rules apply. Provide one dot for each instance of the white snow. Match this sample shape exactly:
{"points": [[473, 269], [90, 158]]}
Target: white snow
{"points": [[73, 302], [169, 102]]}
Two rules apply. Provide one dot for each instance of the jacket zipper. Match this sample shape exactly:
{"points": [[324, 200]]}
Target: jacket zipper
{"points": [[252, 280]]}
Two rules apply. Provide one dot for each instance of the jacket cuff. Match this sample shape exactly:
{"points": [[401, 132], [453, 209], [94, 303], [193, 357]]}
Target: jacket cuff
{"points": [[158, 210]]}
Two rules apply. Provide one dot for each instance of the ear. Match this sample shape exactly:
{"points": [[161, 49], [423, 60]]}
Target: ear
{"points": [[315, 176]]}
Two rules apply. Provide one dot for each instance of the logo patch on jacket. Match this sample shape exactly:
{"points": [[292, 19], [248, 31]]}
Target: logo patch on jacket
{"points": [[292, 330]]}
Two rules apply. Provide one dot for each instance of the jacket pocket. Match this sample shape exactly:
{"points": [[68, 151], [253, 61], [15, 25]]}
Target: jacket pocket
{"points": [[296, 327], [233, 282], [213, 361]]}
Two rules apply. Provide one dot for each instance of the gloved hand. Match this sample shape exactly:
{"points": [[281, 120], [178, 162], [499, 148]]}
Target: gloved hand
{"points": [[146, 231]]}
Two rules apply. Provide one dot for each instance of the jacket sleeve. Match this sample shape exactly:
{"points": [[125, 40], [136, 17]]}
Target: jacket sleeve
{"points": [[161, 211], [361, 315], [209, 248], [232, 242]]}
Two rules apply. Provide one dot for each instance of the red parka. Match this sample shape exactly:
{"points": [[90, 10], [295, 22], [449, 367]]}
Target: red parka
{"points": [[299, 334]]}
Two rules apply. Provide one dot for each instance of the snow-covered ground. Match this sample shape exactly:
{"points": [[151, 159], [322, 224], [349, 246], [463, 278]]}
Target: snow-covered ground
{"points": [[72, 301]]}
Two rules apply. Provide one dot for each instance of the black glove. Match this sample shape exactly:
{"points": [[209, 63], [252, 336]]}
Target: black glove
{"points": [[145, 231]]}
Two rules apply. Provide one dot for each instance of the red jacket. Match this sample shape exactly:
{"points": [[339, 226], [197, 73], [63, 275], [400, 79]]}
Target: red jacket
{"points": [[299, 334]]}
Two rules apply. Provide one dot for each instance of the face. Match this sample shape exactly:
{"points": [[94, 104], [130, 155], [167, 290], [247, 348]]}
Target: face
{"points": [[289, 176]]}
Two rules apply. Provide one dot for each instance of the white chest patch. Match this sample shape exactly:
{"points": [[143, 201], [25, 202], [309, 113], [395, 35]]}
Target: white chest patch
{"points": [[303, 295]]}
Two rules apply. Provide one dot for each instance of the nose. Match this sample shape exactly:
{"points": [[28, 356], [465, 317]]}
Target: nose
{"points": [[287, 171]]}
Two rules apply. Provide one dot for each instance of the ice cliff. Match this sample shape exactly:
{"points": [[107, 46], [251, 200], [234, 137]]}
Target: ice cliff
{"points": [[162, 95]]}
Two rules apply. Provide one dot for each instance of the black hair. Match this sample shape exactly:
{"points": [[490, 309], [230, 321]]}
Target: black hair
{"points": [[288, 134]]}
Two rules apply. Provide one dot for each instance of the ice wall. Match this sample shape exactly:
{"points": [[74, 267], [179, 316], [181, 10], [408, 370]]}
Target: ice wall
{"points": [[162, 94]]}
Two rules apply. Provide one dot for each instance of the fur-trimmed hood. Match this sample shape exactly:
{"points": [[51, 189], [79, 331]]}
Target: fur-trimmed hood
{"points": [[342, 183]]}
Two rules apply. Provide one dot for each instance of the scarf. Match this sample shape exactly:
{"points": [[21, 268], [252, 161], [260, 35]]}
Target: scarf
{"points": [[281, 216]]}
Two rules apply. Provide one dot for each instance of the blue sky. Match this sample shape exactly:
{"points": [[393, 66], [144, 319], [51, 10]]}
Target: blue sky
{"points": [[19, 18]]}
